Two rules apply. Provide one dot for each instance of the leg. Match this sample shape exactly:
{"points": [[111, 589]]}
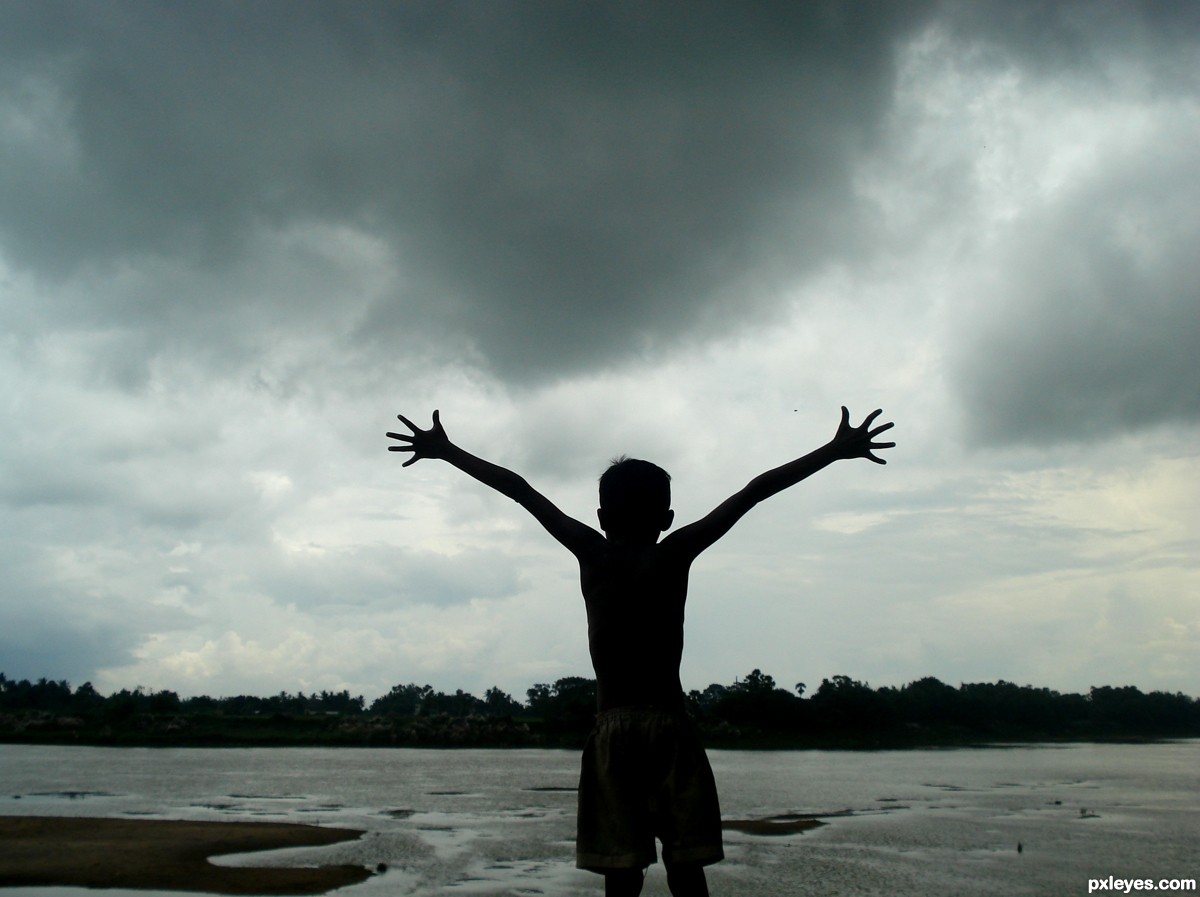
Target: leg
{"points": [[686, 880], [626, 883]]}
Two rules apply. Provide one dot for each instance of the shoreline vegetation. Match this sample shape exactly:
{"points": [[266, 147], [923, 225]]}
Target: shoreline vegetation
{"points": [[752, 713]]}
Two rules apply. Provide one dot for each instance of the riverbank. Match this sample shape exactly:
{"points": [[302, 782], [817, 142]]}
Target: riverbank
{"points": [[311, 731], [902, 823], [161, 854], [752, 713]]}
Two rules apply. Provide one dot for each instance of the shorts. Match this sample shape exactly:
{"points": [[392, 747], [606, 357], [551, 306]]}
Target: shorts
{"points": [[645, 776]]}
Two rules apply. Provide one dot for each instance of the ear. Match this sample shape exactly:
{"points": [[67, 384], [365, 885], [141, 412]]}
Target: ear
{"points": [[668, 519]]}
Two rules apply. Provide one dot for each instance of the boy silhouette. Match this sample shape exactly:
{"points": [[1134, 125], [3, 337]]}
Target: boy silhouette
{"points": [[644, 772]]}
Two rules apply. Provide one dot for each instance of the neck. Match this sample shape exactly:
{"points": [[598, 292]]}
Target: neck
{"points": [[637, 541]]}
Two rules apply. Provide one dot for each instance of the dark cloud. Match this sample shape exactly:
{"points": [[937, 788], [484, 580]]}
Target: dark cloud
{"points": [[1093, 328], [1072, 38], [33, 646], [54, 629], [553, 187], [558, 183], [1086, 367]]}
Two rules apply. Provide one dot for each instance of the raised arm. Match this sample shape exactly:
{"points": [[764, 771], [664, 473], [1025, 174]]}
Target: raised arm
{"points": [[848, 442], [434, 443]]}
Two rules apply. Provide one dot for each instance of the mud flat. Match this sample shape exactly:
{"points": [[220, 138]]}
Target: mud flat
{"points": [[163, 854], [774, 825]]}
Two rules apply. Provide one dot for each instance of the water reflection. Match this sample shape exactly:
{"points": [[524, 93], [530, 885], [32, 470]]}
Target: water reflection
{"points": [[502, 822]]}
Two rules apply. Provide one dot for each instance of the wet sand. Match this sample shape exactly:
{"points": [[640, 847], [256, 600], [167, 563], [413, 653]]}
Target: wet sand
{"points": [[161, 854]]}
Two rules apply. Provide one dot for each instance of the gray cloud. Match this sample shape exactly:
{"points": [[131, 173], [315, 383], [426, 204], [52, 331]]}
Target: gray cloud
{"points": [[384, 577], [557, 184], [1093, 357], [231, 235], [1094, 325], [56, 626], [554, 187], [34, 646], [1074, 38]]}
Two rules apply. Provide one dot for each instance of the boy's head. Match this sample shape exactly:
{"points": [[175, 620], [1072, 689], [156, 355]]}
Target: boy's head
{"points": [[635, 500]]}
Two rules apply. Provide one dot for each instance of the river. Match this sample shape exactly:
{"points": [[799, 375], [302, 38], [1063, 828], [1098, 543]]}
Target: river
{"points": [[501, 822]]}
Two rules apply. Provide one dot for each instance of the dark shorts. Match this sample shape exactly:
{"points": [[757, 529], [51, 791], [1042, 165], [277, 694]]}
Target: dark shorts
{"points": [[645, 776]]}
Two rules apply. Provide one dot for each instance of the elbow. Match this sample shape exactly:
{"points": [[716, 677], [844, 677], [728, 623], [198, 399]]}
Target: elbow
{"points": [[518, 489], [757, 490]]}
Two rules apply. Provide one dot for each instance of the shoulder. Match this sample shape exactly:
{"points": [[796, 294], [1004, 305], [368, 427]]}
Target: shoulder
{"points": [[683, 546], [591, 549]]}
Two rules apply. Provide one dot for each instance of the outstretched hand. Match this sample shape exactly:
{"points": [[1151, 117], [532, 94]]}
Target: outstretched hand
{"points": [[431, 443], [857, 442]]}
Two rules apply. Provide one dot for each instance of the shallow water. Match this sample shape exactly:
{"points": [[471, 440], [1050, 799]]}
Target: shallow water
{"points": [[488, 822]]}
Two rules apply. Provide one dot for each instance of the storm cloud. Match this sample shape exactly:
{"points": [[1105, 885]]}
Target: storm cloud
{"points": [[233, 235], [587, 179]]}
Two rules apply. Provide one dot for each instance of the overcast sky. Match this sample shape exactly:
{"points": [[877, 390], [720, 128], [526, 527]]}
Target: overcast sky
{"points": [[237, 239]]}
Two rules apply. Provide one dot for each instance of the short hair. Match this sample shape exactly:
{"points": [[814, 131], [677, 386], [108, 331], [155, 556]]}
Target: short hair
{"points": [[634, 494]]}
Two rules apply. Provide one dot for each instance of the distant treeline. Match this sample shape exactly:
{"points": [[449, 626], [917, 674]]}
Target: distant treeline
{"points": [[751, 713]]}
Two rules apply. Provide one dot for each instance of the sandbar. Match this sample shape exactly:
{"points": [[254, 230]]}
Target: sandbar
{"points": [[163, 855]]}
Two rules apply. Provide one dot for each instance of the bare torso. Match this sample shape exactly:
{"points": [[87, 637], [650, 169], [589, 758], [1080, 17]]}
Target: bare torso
{"points": [[635, 597]]}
